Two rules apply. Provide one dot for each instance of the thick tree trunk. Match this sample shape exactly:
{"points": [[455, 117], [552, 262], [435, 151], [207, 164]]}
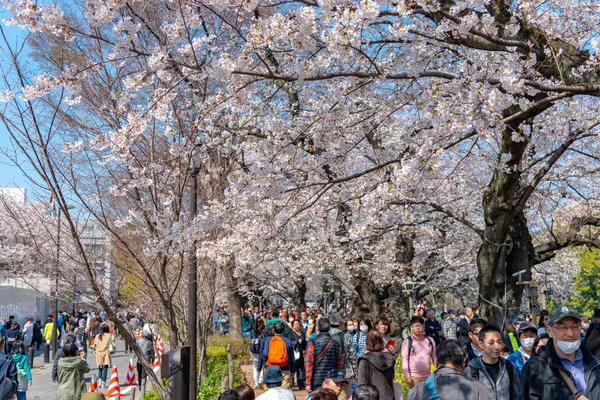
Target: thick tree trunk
{"points": [[233, 299], [507, 246], [399, 308], [300, 295], [365, 299]]}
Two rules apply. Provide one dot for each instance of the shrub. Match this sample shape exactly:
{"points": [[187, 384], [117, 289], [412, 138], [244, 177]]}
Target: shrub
{"points": [[218, 367]]}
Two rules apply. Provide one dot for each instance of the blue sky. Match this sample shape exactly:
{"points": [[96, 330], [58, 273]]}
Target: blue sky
{"points": [[10, 176]]}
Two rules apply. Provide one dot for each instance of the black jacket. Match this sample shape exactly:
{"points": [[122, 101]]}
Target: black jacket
{"points": [[8, 373], [541, 379]]}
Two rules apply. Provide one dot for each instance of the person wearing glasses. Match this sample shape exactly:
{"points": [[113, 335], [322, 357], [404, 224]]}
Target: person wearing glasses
{"points": [[563, 368]]}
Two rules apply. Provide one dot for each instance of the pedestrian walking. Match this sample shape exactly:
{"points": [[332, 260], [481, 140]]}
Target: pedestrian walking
{"points": [[256, 342], [278, 350], [562, 369], [512, 340], [273, 380], [104, 344], [462, 330], [499, 376], [147, 348], [527, 333], [8, 380], [433, 327], [24, 379], [360, 337], [475, 348], [299, 350], [350, 367], [449, 326], [448, 381], [418, 353], [365, 392], [12, 336], [377, 366], [71, 370], [322, 355], [27, 333], [38, 334]]}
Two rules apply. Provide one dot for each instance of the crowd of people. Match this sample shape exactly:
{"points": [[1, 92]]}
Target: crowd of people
{"points": [[553, 357], [76, 335]]}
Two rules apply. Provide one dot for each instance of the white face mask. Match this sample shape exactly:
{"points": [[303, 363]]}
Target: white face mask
{"points": [[527, 343], [567, 347], [310, 321], [291, 319], [351, 328], [364, 328], [586, 326]]}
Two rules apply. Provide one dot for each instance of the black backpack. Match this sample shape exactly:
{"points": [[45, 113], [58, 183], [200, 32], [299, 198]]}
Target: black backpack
{"points": [[8, 387]]}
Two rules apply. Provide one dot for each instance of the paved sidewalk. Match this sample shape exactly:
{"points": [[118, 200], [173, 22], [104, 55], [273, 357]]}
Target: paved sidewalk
{"points": [[44, 387], [247, 371]]}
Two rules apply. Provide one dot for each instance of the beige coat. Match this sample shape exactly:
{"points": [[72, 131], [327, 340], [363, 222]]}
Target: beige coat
{"points": [[102, 353]]}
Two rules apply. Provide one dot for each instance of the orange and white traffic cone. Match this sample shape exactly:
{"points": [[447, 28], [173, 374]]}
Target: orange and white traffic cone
{"points": [[159, 347], [156, 362], [131, 375], [93, 384], [113, 389]]}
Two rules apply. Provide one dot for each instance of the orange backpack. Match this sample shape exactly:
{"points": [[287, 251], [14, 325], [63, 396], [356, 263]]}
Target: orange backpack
{"points": [[278, 354]]}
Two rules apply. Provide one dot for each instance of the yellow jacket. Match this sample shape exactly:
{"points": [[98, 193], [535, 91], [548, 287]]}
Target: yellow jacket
{"points": [[48, 331]]}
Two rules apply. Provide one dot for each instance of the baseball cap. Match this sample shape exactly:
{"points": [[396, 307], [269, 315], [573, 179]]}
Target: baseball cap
{"points": [[561, 312], [516, 318], [336, 376], [525, 325]]}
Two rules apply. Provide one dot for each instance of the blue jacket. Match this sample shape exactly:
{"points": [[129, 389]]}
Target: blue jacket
{"points": [[518, 358], [264, 354]]}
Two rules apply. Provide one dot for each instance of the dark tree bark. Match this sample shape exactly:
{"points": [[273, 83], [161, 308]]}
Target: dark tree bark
{"points": [[233, 299]]}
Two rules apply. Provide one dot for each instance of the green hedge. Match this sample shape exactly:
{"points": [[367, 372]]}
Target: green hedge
{"points": [[218, 367]]}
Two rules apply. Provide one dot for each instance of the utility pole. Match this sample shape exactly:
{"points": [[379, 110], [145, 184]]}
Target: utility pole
{"points": [[193, 276]]}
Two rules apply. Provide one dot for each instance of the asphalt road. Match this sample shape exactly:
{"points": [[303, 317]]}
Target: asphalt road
{"points": [[43, 386]]}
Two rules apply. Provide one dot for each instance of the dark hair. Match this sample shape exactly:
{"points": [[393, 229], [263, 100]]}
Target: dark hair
{"points": [[540, 338], [324, 325], [374, 342], [245, 392], [450, 351], [366, 321], [444, 314], [273, 384], [259, 325], [543, 314], [2, 341], [324, 394], [477, 323], [486, 329], [386, 323], [229, 395], [70, 349], [417, 320], [278, 327], [365, 392], [18, 348]]}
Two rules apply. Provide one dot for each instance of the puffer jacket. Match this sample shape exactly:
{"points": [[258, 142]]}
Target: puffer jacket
{"points": [[542, 381], [506, 386], [592, 339]]}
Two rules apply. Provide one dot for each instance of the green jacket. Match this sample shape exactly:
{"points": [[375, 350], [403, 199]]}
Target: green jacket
{"points": [[22, 364], [71, 372]]}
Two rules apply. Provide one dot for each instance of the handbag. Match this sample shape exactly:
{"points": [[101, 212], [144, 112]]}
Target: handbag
{"points": [[111, 348]]}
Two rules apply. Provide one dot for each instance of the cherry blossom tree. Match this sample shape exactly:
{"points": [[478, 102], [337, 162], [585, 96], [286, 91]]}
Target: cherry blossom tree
{"points": [[382, 140]]}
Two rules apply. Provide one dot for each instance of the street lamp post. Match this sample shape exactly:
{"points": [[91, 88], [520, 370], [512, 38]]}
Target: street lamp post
{"points": [[56, 266], [193, 276]]}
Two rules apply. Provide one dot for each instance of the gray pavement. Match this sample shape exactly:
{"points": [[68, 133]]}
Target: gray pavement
{"points": [[43, 386]]}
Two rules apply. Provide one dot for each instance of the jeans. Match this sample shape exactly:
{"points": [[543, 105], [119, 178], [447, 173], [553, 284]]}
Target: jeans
{"points": [[21, 395], [102, 372], [256, 374]]}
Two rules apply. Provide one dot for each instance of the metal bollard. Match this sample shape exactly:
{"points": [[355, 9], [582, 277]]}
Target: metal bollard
{"points": [[46, 353], [30, 356]]}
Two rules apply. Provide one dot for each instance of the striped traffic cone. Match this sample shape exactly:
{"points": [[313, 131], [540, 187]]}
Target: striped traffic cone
{"points": [[156, 362], [93, 384], [131, 374], [113, 389], [159, 347]]}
